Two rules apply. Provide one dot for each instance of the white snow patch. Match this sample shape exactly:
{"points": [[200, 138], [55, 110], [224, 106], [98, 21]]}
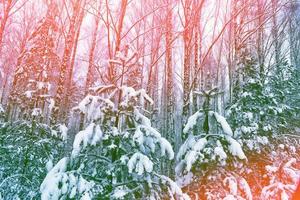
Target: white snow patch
{"points": [[29, 94], [174, 189], [166, 147], [49, 164], [1, 109], [91, 105], [200, 144], [36, 112], [51, 104], [141, 118], [229, 197], [90, 136], [49, 187], [219, 151], [235, 148], [185, 180], [119, 193], [139, 163], [192, 121], [231, 183], [244, 186], [188, 144], [225, 126], [63, 129]]}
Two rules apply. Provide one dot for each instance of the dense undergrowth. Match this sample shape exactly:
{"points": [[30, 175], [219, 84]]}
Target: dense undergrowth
{"points": [[29, 150], [272, 173], [26, 151]]}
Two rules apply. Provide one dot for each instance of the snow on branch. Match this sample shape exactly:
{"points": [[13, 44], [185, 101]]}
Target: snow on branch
{"points": [[114, 62], [90, 106], [192, 121], [148, 136], [222, 121], [204, 148], [173, 189], [60, 184], [102, 88], [129, 93], [90, 136], [139, 163], [62, 130], [235, 148]]}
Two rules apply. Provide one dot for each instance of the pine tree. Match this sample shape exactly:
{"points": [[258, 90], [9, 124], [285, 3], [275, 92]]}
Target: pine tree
{"points": [[260, 108], [203, 152], [114, 160], [32, 80]]}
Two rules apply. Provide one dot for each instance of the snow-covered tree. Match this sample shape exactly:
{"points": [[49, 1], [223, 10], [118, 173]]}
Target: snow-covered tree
{"points": [[27, 152], [30, 96], [117, 154], [204, 151], [260, 107], [260, 115], [209, 145]]}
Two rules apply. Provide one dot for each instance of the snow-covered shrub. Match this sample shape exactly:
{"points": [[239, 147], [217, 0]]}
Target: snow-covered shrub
{"points": [[117, 154], [264, 170], [59, 182], [203, 157], [207, 148], [27, 152], [257, 110], [282, 173], [237, 188], [218, 183]]}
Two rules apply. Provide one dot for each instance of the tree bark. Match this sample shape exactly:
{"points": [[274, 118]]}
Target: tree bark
{"points": [[91, 54], [7, 9], [69, 42]]}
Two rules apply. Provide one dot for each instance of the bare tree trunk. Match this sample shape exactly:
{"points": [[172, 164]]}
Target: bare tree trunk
{"points": [[120, 25], [152, 85], [294, 34], [69, 81], [65, 62], [107, 24], [91, 54], [260, 37], [187, 38], [276, 35], [118, 35], [7, 9], [169, 77], [196, 66], [233, 49]]}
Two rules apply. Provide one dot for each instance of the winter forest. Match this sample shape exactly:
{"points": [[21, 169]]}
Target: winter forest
{"points": [[149, 99]]}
